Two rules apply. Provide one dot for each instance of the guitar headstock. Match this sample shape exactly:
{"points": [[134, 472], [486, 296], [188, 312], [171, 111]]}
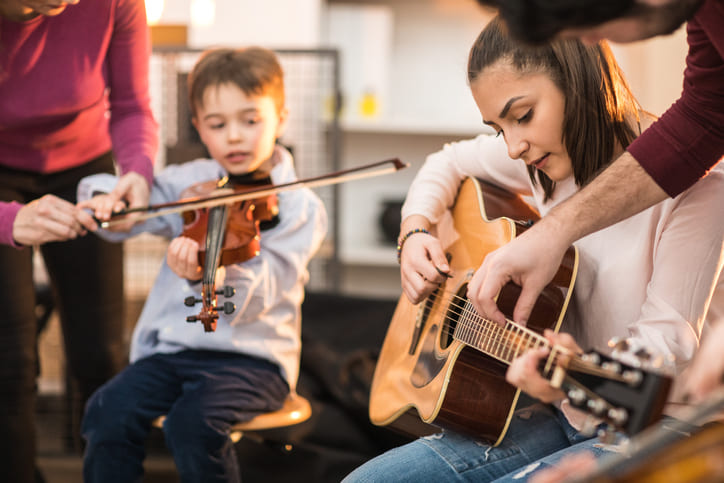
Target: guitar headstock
{"points": [[627, 397]]}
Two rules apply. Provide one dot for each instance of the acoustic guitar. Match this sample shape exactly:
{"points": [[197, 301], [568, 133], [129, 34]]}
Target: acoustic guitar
{"points": [[442, 365]]}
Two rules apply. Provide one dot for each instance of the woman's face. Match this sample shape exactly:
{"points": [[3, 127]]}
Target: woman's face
{"points": [[527, 109]]}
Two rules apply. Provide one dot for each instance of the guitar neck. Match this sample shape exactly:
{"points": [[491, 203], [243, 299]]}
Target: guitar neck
{"points": [[504, 343]]}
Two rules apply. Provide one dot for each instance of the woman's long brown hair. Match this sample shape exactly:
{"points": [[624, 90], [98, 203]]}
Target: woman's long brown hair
{"points": [[600, 114]]}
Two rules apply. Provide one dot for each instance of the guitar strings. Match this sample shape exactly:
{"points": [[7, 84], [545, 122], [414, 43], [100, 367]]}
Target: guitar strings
{"points": [[512, 339], [501, 337]]}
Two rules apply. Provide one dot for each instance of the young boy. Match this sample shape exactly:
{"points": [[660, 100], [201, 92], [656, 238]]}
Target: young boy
{"points": [[206, 381]]}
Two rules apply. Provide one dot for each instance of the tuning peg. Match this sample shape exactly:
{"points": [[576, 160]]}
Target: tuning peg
{"points": [[227, 291], [597, 406], [592, 357], [577, 396], [632, 378], [190, 301], [618, 416], [229, 308], [613, 367]]}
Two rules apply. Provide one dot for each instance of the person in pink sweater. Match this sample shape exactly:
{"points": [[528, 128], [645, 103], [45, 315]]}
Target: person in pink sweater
{"points": [[74, 101]]}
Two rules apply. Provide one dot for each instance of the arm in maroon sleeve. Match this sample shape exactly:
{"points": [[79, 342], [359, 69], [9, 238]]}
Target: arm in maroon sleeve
{"points": [[688, 139], [133, 128]]}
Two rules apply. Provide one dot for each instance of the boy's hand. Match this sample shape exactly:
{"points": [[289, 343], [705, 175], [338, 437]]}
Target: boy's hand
{"points": [[102, 206], [49, 219], [524, 374], [131, 191], [182, 257]]}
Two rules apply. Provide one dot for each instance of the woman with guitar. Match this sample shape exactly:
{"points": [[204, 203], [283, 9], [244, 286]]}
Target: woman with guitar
{"points": [[564, 111], [244, 360]]}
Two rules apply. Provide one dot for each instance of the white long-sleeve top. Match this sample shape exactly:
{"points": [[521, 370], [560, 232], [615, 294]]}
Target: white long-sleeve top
{"points": [[650, 277], [269, 287]]}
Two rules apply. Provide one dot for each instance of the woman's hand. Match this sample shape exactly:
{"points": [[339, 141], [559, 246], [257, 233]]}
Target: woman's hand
{"points": [[49, 219], [423, 266], [524, 373], [182, 257]]}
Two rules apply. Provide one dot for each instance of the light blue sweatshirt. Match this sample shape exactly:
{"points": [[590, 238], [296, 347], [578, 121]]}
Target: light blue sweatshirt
{"points": [[269, 287]]}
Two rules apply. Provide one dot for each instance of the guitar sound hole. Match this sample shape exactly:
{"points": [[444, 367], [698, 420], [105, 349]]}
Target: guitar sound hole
{"points": [[452, 315]]}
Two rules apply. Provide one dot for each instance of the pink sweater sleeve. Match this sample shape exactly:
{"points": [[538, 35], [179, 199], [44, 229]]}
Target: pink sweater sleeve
{"points": [[8, 211], [133, 128], [688, 139]]}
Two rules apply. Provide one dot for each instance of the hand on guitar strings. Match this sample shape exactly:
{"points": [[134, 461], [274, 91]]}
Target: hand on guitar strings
{"points": [[423, 265], [524, 371], [527, 261]]}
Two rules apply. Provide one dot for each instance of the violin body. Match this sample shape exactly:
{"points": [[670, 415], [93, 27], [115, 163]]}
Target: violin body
{"points": [[241, 240], [226, 235]]}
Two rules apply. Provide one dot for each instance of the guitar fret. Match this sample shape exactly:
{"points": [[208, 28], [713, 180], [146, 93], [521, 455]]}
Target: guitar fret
{"points": [[478, 332], [464, 325], [512, 343], [466, 330], [520, 336], [491, 339], [503, 346]]}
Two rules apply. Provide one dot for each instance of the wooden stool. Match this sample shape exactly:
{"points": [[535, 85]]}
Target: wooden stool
{"points": [[295, 410]]}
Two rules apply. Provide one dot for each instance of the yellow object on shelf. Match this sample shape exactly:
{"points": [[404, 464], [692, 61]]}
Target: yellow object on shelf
{"points": [[368, 105], [165, 35]]}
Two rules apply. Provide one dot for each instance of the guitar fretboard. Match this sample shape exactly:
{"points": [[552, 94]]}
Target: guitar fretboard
{"points": [[504, 343]]}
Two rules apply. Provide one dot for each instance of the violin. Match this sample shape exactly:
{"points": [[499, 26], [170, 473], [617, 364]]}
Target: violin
{"points": [[226, 234], [240, 227]]}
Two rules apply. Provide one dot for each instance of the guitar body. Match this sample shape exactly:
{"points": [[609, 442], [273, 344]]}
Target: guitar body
{"points": [[423, 370]]}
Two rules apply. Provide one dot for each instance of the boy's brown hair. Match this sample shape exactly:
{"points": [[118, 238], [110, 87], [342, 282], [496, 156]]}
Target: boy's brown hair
{"points": [[254, 70]]}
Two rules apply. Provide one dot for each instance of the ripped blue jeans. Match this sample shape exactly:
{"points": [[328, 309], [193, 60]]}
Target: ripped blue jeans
{"points": [[538, 436]]}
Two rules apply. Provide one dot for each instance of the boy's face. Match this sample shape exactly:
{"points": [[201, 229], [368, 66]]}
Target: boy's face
{"points": [[238, 130]]}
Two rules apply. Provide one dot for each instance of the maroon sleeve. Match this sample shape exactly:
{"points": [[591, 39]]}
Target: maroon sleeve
{"points": [[688, 139], [133, 128]]}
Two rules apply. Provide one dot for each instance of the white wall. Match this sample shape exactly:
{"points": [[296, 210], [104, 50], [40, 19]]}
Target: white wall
{"points": [[655, 69], [271, 23]]}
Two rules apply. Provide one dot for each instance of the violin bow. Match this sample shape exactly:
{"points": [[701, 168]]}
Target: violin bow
{"points": [[361, 172]]}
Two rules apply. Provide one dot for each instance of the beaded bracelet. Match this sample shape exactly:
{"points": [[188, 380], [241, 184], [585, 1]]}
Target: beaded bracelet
{"points": [[404, 238]]}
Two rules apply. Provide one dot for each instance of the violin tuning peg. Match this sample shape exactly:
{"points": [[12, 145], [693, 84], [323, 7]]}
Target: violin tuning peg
{"points": [[192, 318], [229, 308], [227, 291], [190, 301]]}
